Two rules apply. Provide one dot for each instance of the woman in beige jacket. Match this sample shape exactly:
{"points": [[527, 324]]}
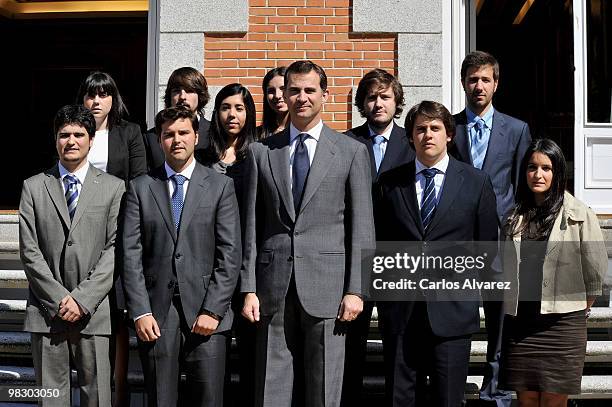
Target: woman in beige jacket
{"points": [[556, 258]]}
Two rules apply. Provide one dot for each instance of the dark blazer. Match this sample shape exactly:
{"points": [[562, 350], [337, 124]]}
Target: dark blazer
{"points": [[320, 244], [465, 212], [126, 151], [399, 150], [508, 143], [155, 155], [204, 257]]}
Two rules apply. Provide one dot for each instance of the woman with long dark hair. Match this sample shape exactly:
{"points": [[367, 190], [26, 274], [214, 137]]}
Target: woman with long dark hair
{"points": [[232, 130], [556, 258], [275, 110], [118, 149]]}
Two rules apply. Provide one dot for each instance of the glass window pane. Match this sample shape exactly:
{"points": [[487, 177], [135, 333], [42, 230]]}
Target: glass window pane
{"points": [[599, 61]]}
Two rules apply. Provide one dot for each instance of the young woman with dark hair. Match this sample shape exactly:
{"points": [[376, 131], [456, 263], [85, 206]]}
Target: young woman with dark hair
{"points": [[275, 110], [555, 257], [232, 130], [118, 149]]}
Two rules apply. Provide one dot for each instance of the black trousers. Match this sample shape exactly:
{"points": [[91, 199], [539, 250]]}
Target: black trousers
{"points": [[414, 355], [202, 358]]}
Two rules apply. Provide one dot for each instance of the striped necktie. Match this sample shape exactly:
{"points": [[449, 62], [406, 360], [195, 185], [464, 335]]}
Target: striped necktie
{"points": [[478, 149], [72, 193], [428, 203], [177, 198]]}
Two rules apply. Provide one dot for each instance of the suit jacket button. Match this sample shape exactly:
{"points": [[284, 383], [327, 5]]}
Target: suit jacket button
{"points": [[178, 256], [171, 285], [290, 258], [545, 282], [69, 242]]}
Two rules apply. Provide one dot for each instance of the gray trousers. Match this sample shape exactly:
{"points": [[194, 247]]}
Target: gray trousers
{"points": [[202, 358], [299, 358], [53, 354]]}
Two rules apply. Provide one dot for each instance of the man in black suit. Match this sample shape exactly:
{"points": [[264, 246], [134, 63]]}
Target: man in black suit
{"points": [[434, 198], [186, 87], [380, 99], [182, 255], [495, 143]]}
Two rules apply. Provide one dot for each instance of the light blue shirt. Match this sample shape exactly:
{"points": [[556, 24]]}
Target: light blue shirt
{"points": [[80, 174], [441, 166], [472, 118]]}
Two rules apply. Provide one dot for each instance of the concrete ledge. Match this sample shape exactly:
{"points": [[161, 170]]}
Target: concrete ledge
{"points": [[13, 279], [402, 16], [12, 309], [204, 16]]}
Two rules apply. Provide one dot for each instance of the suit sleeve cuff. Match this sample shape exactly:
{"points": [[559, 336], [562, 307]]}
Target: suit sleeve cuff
{"points": [[143, 315]]}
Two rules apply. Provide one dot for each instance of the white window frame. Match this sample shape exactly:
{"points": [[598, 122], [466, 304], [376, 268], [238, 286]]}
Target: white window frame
{"points": [[597, 193]]}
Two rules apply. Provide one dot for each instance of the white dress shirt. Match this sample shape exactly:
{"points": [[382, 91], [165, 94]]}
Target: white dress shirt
{"points": [[187, 172], [311, 144], [98, 154], [81, 173], [441, 166]]}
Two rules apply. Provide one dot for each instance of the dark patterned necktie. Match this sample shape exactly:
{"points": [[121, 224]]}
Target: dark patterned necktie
{"points": [[301, 166], [72, 193], [428, 203], [177, 198]]}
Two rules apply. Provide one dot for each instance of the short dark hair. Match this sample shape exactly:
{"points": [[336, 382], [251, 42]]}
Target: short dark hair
{"points": [[171, 114], [75, 114], [305, 67], [477, 59], [218, 137], [101, 83], [191, 80], [268, 122], [432, 111], [543, 216], [383, 80]]}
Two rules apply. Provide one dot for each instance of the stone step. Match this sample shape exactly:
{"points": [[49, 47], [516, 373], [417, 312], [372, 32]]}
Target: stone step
{"points": [[601, 317], [18, 344], [593, 387], [13, 279]]}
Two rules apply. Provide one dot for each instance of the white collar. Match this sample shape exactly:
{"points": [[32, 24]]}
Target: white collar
{"points": [[187, 172], [315, 132], [441, 165], [81, 173]]}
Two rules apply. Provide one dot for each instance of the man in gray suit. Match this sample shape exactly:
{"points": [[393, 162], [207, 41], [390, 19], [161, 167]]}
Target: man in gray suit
{"points": [[182, 256], [495, 143], [308, 217], [67, 228]]}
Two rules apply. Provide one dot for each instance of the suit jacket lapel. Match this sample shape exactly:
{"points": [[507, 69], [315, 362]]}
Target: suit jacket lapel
{"points": [[321, 162], [453, 181], [363, 134], [395, 149], [408, 193], [496, 141], [461, 138], [278, 156], [159, 189], [53, 183], [195, 193], [88, 192], [114, 146]]}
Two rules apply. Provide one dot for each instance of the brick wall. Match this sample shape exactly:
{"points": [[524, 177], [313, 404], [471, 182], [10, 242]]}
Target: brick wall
{"points": [[282, 31]]}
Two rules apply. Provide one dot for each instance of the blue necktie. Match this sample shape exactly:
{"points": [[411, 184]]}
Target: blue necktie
{"points": [[428, 203], [478, 149], [378, 152], [301, 166], [72, 193], [177, 198]]}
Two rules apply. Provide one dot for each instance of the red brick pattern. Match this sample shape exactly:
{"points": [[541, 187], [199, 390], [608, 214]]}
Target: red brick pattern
{"points": [[282, 31]]}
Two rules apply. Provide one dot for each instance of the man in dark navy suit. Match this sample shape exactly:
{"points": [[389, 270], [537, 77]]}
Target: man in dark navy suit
{"points": [[186, 87], [433, 198], [380, 99], [495, 143]]}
